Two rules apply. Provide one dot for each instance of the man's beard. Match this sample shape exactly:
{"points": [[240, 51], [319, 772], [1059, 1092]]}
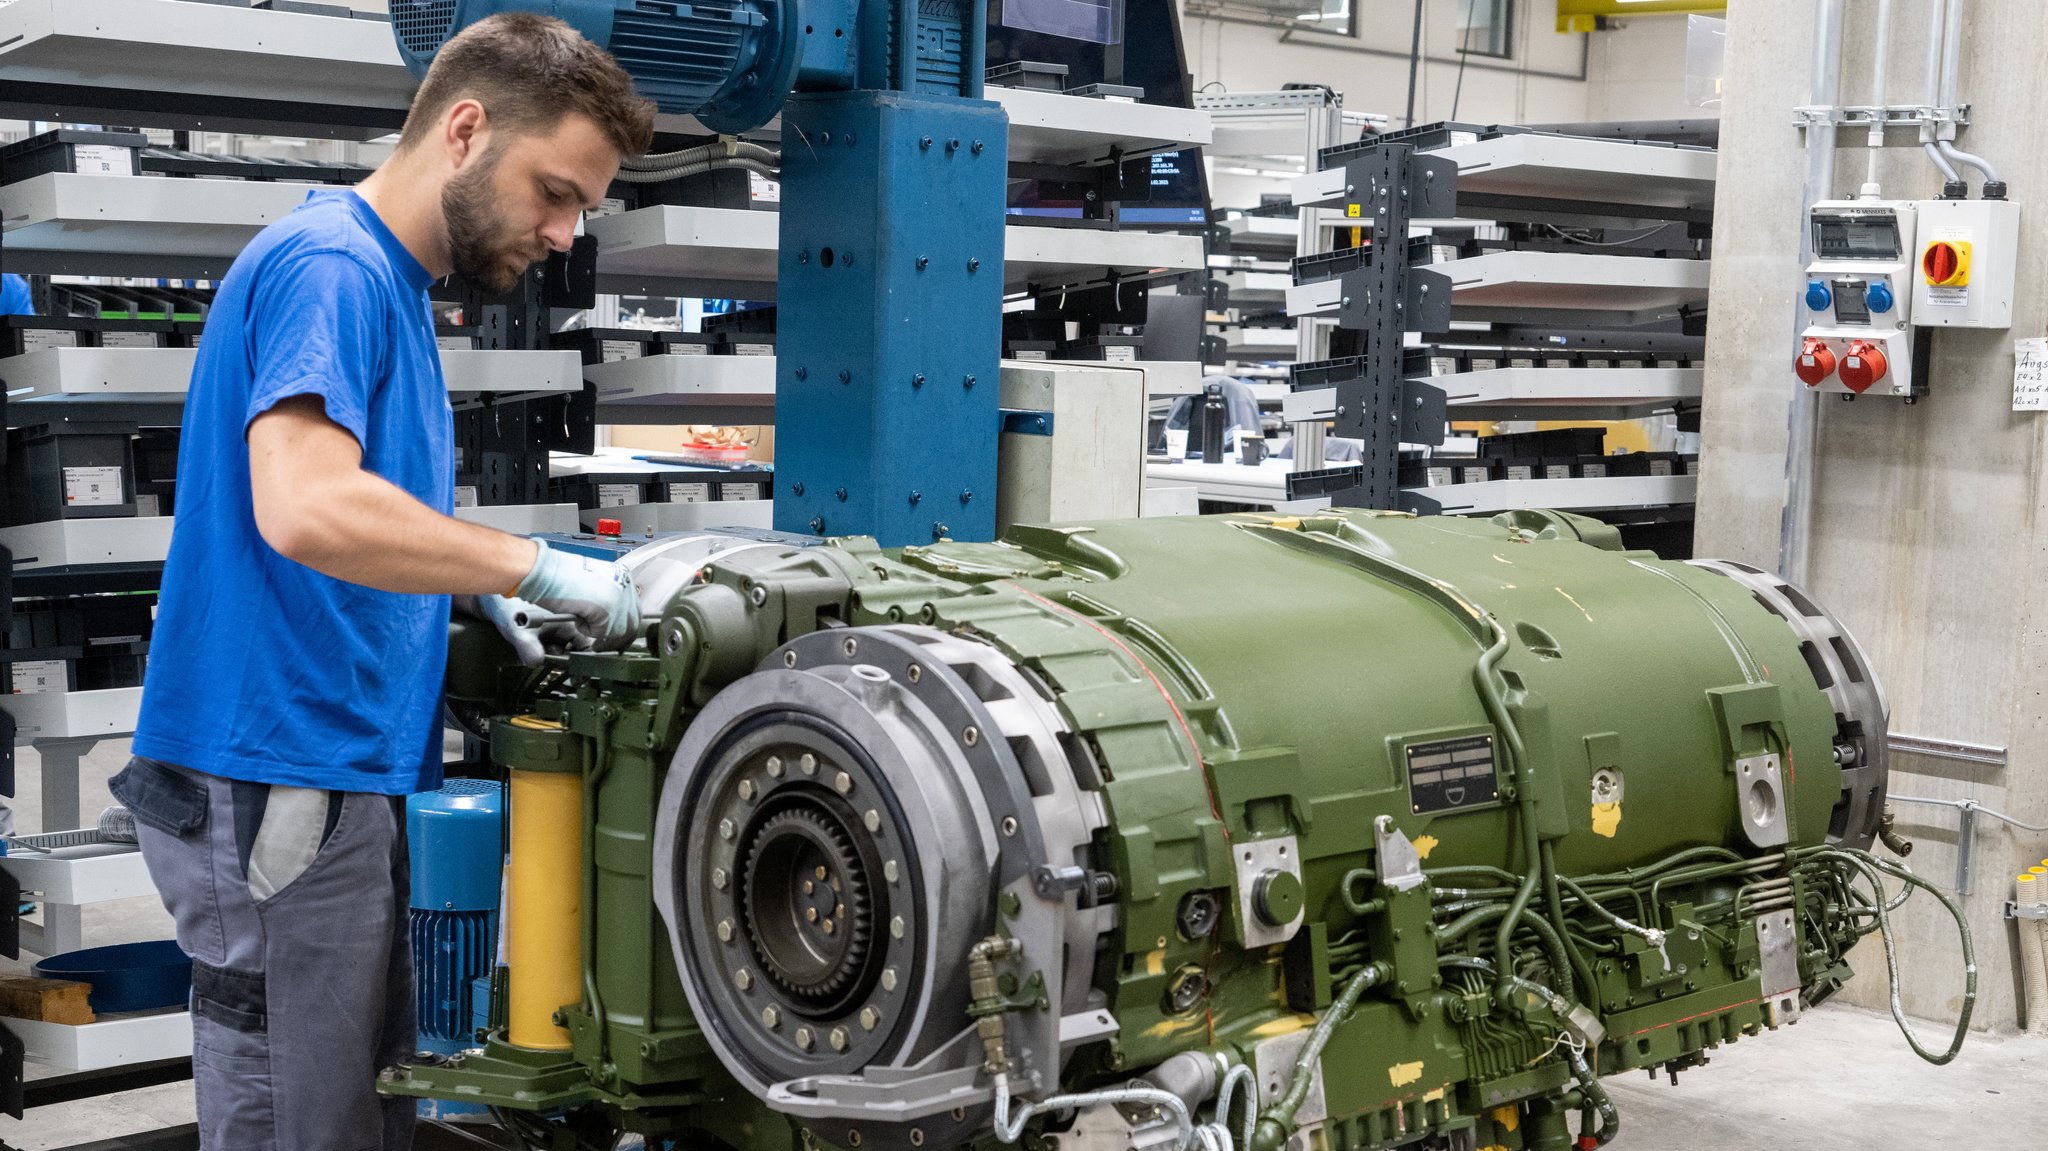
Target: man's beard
{"points": [[475, 246]]}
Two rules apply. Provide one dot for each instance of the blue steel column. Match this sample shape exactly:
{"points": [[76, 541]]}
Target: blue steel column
{"points": [[889, 287]]}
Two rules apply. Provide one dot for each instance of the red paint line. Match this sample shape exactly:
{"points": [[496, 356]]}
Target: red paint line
{"points": [[1700, 1016]]}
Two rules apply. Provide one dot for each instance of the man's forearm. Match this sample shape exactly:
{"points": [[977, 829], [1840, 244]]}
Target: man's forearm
{"points": [[364, 529]]}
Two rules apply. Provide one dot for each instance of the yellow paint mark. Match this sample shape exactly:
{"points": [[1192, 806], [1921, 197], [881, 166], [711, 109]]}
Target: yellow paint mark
{"points": [[535, 723], [1576, 604], [1155, 962], [1606, 818], [1495, 1147], [1509, 1117], [1425, 845], [1402, 1074], [1435, 1095], [1285, 1025]]}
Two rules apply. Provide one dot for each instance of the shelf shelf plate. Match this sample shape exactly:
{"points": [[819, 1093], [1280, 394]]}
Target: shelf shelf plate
{"points": [[523, 519], [161, 375], [108, 1043], [77, 875], [74, 714], [1051, 128]]}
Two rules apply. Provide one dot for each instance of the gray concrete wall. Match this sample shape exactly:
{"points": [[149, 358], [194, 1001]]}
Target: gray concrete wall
{"points": [[1928, 538]]}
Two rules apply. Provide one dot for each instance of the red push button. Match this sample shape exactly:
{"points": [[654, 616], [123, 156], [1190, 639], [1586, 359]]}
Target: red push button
{"points": [[1815, 363], [608, 527], [1863, 366]]}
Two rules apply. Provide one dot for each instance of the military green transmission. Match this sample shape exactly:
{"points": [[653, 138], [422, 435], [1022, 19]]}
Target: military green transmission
{"points": [[1331, 833]]}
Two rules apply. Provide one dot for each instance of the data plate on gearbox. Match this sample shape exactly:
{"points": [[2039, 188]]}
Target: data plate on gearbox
{"points": [[1449, 774]]}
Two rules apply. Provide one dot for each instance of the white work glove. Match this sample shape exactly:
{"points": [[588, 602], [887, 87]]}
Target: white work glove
{"points": [[532, 630], [600, 595]]}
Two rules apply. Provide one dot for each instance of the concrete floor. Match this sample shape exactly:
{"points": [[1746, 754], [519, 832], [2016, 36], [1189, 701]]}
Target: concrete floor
{"points": [[1840, 1080]]}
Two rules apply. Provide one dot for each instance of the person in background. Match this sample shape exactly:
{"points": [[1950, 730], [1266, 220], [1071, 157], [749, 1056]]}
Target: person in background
{"points": [[15, 299]]}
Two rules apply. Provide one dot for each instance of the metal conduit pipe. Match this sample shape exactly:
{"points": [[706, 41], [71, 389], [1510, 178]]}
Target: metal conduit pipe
{"points": [[1795, 524], [1880, 68], [1951, 71]]}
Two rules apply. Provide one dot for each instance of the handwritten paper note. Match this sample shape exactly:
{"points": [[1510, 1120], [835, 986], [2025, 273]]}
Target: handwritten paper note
{"points": [[2030, 375]]}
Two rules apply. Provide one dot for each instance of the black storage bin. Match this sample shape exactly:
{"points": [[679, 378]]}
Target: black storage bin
{"points": [[70, 471]]}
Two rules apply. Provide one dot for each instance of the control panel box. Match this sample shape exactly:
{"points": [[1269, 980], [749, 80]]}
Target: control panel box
{"points": [[1859, 297], [1967, 257]]}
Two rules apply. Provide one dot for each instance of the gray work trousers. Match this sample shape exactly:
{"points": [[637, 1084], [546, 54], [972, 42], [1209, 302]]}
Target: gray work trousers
{"points": [[293, 906]]}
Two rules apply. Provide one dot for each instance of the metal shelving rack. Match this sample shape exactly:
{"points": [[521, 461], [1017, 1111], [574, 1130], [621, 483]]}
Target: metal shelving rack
{"points": [[1578, 301]]}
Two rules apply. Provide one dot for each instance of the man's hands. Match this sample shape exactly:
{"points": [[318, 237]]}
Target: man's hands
{"points": [[600, 595], [532, 630]]}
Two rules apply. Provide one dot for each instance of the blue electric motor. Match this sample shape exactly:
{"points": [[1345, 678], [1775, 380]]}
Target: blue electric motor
{"points": [[455, 841], [730, 63]]}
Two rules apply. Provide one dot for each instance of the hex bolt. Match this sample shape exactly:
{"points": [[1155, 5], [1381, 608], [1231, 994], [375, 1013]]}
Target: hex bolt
{"points": [[869, 1017], [974, 263], [746, 789], [726, 830], [725, 931], [923, 262], [797, 488], [917, 380], [810, 915], [888, 979], [775, 761], [889, 870], [803, 1038], [818, 525], [845, 375], [953, 145], [770, 1017], [967, 381], [967, 496], [839, 1039], [872, 820], [896, 928], [916, 498], [841, 493], [808, 764], [1198, 915], [842, 783], [847, 259], [924, 142], [718, 878], [939, 531], [742, 979], [803, 373], [976, 147]]}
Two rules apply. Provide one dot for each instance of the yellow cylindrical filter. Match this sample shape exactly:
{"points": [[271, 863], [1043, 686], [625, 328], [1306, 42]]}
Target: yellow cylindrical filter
{"points": [[544, 913]]}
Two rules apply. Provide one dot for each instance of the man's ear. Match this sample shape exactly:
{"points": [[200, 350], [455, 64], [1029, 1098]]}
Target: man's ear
{"points": [[466, 130]]}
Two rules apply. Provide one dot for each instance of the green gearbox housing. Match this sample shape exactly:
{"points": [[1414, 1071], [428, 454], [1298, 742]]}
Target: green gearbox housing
{"points": [[1343, 831]]}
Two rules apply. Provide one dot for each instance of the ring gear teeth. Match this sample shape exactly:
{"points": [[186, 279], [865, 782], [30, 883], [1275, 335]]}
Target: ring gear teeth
{"points": [[859, 913]]}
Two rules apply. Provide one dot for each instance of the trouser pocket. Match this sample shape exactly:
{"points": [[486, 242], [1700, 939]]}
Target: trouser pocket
{"points": [[161, 796], [231, 1066]]}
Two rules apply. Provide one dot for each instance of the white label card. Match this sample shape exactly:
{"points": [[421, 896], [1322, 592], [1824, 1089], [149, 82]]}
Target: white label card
{"points": [[739, 491], [128, 339], [616, 350], [2030, 375], [43, 339], [41, 677], [465, 496], [689, 493], [617, 495], [93, 487], [102, 160], [1120, 354]]}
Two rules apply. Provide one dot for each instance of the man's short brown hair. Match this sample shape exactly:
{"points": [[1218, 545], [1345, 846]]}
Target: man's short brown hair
{"points": [[528, 71]]}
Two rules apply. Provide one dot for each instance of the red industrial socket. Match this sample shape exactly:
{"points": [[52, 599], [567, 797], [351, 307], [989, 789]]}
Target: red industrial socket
{"points": [[1863, 366], [1816, 362]]}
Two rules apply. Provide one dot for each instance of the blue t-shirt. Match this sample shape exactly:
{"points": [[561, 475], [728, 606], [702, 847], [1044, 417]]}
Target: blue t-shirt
{"points": [[262, 668], [14, 296]]}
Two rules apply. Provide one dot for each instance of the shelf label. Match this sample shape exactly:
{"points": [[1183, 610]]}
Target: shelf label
{"points": [[689, 493], [616, 350], [42, 677], [617, 495], [102, 160], [128, 339], [465, 496], [753, 349], [93, 487], [739, 491], [43, 339]]}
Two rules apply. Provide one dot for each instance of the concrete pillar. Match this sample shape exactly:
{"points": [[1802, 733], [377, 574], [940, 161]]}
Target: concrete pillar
{"points": [[1928, 533]]}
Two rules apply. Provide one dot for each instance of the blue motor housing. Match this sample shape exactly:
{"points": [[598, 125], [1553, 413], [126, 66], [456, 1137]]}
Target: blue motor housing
{"points": [[456, 845], [730, 63]]}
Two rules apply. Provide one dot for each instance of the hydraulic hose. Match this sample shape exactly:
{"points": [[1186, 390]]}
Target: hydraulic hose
{"points": [[1278, 1120]]}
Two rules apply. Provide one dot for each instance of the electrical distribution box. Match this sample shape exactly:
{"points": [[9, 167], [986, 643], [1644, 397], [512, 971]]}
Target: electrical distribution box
{"points": [[1859, 298], [1967, 257]]}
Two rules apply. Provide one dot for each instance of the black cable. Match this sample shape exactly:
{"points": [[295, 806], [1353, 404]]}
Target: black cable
{"points": [[1464, 54]]}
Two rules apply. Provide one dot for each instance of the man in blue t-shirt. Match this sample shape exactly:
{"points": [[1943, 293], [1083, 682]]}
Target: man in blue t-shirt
{"points": [[14, 296], [293, 693]]}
